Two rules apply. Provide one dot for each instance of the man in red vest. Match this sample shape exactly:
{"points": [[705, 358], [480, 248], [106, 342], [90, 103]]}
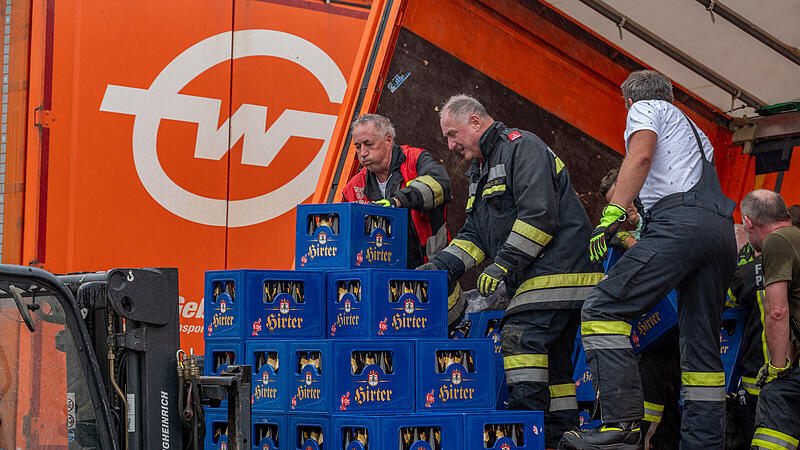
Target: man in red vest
{"points": [[401, 176]]}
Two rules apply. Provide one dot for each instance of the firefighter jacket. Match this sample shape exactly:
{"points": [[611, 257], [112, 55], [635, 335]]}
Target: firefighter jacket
{"points": [[523, 213], [747, 291], [421, 185]]}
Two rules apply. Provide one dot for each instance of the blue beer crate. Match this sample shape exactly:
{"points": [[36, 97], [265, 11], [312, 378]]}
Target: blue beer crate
{"points": [[220, 355], [224, 305], [654, 323], [355, 431], [455, 375], [486, 324], [349, 236], [434, 431], [731, 334], [285, 304], [311, 373], [309, 431], [387, 303], [269, 431], [504, 430], [581, 375], [585, 420], [373, 376], [216, 437], [464, 330], [269, 361]]}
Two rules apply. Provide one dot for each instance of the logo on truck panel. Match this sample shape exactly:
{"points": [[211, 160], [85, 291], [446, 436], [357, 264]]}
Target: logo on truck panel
{"points": [[162, 101]]}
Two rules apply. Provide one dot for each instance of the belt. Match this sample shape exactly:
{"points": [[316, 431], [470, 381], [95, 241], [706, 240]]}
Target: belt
{"points": [[691, 199]]}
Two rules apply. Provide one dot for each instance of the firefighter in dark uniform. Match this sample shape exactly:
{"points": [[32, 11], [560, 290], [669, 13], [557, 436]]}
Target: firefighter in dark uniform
{"points": [[407, 177], [687, 242], [524, 215], [747, 291], [770, 231]]}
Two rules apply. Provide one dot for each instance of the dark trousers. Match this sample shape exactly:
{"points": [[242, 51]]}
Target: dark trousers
{"points": [[660, 371], [778, 413], [537, 355], [690, 249]]}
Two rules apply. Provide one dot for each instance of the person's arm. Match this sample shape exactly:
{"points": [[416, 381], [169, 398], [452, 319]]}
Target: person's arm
{"points": [[776, 322], [430, 189], [464, 252], [635, 166], [533, 177]]}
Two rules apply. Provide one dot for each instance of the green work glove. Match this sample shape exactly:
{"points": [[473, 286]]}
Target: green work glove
{"points": [[490, 279], [384, 202], [613, 215], [769, 373]]}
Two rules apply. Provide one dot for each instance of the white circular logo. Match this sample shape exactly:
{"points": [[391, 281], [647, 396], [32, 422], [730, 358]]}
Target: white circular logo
{"points": [[163, 101]]}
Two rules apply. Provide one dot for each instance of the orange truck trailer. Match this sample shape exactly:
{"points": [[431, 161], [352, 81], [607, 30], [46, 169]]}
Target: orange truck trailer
{"points": [[184, 133]]}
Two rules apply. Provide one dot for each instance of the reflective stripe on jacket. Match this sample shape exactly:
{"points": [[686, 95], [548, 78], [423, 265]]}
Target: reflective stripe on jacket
{"points": [[523, 213], [421, 185]]}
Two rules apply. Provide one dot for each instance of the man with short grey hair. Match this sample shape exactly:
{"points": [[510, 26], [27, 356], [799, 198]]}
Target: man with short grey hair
{"points": [[524, 215], [770, 231], [401, 176], [686, 243]]}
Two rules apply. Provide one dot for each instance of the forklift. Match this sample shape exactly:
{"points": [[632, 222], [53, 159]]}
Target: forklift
{"points": [[92, 361]]}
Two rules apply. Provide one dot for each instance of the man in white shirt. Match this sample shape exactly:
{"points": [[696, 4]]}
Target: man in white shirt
{"points": [[687, 243]]}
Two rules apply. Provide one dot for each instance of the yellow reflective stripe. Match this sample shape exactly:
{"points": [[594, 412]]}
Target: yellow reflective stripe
{"points": [[531, 232], [470, 201], [438, 192], [651, 418], [654, 406], [529, 360], [605, 327], [749, 385], [703, 378], [493, 189], [559, 165], [760, 301], [560, 280], [471, 249], [562, 390], [732, 302], [778, 435]]}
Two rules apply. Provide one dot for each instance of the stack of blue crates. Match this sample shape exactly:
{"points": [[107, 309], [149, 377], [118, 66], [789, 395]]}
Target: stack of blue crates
{"points": [[350, 351]]}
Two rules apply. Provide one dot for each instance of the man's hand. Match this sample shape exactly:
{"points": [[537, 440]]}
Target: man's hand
{"points": [[383, 202], [621, 239], [428, 266], [490, 279], [613, 215], [769, 373]]}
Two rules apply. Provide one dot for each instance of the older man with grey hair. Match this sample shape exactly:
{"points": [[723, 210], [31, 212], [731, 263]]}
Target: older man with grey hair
{"points": [[770, 231], [686, 243], [401, 176], [524, 215]]}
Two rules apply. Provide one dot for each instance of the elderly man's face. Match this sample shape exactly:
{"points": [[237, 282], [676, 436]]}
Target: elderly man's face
{"points": [[463, 136], [755, 234], [374, 151]]}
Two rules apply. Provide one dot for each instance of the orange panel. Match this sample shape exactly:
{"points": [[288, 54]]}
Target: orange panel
{"points": [[301, 84], [124, 183], [19, 37]]}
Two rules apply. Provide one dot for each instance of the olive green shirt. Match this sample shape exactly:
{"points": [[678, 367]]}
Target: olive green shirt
{"points": [[781, 259]]}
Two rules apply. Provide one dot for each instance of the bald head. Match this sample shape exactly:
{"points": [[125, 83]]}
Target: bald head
{"points": [[764, 207], [763, 212]]}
